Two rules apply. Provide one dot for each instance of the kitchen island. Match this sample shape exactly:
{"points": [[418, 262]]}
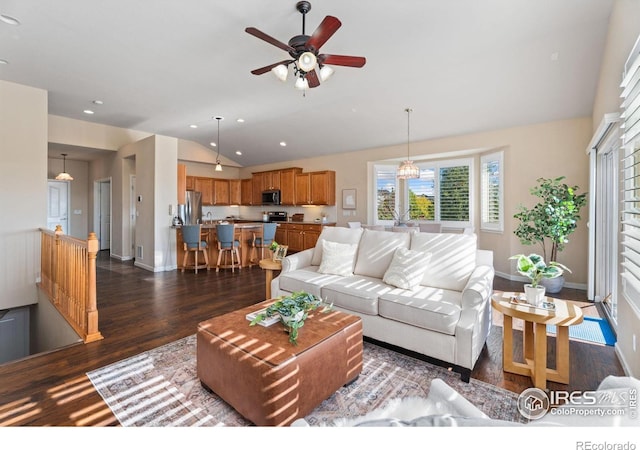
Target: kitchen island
{"points": [[244, 232]]}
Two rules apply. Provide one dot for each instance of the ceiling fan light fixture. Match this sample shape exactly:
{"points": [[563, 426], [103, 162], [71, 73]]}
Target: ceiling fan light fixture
{"points": [[64, 176], [325, 73], [280, 71], [408, 169], [307, 62], [301, 84]]}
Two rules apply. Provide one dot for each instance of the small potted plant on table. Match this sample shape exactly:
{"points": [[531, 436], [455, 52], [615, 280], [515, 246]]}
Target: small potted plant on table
{"points": [[293, 311], [533, 267]]}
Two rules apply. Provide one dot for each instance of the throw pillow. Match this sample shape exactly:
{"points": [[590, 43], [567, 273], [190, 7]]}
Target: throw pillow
{"points": [[337, 258], [407, 268]]}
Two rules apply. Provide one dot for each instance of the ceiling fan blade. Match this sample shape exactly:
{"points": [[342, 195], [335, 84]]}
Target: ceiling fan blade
{"points": [[325, 30], [266, 69], [342, 60], [265, 37], [312, 79]]}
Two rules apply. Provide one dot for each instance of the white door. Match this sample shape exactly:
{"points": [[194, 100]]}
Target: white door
{"points": [[134, 215], [105, 215], [58, 205]]}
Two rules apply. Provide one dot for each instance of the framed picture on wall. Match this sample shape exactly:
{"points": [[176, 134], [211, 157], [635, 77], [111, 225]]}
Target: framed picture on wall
{"points": [[348, 199]]}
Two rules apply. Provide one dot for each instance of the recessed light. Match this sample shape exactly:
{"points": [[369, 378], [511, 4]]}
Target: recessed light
{"points": [[97, 102], [4, 61], [283, 144], [240, 120], [88, 111], [193, 126], [213, 144], [8, 19], [238, 152]]}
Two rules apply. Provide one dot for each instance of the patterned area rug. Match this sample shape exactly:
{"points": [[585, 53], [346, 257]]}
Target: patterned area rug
{"points": [[160, 388]]}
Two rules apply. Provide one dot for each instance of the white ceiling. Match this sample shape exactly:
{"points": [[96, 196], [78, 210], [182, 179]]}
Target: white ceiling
{"points": [[160, 65]]}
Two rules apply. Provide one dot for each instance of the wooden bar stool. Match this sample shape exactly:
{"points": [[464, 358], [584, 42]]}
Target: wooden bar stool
{"points": [[262, 240], [193, 241], [228, 246]]}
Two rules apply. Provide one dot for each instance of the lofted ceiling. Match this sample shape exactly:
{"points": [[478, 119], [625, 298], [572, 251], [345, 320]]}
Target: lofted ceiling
{"points": [[160, 66]]}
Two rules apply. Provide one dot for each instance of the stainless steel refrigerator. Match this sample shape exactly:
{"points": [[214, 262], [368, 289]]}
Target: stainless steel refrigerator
{"points": [[192, 208]]}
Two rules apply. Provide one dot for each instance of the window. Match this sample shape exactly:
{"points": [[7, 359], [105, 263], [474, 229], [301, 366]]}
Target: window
{"points": [[631, 185], [441, 194], [491, 195]]}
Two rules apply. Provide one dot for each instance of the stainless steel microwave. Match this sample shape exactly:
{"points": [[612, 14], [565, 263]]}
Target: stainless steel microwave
{"points": [[271, 197]]}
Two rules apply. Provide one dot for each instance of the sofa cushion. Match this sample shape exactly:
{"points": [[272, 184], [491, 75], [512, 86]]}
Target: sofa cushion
{"points": [[453, 258], [407, 268], [307, 279], [337, 258], [426, 307], [356, 293], [335, 234], [375, 251]]}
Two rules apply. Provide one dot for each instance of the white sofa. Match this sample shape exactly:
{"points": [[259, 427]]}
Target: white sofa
{"points": [[446, 316]]}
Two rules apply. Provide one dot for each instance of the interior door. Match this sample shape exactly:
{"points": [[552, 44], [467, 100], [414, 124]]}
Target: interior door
{"points": [[105, 215], [58, 205], [133, 214]]}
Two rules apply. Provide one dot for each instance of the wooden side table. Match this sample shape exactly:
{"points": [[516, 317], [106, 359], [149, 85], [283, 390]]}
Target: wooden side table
{"points": [[269, 265], [535, 337]]}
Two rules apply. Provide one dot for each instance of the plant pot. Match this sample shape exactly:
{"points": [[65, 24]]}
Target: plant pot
{"points": [[534, 295], [553, 285]]}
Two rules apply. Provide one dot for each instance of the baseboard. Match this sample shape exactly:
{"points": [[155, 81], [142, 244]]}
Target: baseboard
{"points": [[510, 277], [121, 258]]}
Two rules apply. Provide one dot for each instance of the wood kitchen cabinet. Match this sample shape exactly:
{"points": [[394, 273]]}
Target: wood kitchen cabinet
{"points": [[316, 188], [298, 236], [235, 192], [205, 185], [256, 182], [190, 183], [182, 183], [288, 185], [270, 180], [220, 192], [246, 188]]}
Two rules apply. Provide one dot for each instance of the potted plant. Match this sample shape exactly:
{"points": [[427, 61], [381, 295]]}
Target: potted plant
{"points": [[293, 311], [551, 220], [533, 267]]}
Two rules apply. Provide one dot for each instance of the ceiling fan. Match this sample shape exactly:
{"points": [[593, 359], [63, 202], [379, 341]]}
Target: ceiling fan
{"points": [[310, 66]]}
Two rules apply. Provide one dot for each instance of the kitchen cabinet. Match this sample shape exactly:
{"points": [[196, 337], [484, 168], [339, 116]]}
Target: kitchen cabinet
{"points": [[256, 181], [182, 183], [316, 188], [288, 185], [271, 180], [220, 192], [298, 236], [235, 192], [246, 192], [190, 183], [205, 185]]}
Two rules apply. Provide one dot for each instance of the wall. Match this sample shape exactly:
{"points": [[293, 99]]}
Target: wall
{"points": [[79, 188], [542, 150], [23, 190], [166, 200]]}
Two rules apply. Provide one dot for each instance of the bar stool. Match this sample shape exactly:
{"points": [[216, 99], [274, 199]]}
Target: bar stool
{"points": [[193, 242], [261, 241], [229, 246]]}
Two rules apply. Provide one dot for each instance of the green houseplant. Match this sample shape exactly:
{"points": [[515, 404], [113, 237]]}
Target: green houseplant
{"points": [[293, 311], [550, 221], [534, 267]]}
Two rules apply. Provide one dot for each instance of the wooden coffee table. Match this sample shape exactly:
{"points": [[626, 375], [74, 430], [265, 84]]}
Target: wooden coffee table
{"points": [[535, 338], [267, 379]]}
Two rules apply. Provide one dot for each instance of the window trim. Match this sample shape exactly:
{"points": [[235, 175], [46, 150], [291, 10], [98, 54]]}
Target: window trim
{"points": [[492, 226]]}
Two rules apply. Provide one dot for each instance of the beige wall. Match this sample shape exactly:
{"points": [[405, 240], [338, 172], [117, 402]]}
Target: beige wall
{"points": [[543, 150], [79, 188], [23, 191]]}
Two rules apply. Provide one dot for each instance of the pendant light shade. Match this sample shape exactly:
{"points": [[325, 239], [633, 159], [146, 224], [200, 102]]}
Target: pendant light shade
{"points": [[408, 169], [64, 176], [218, 165]]}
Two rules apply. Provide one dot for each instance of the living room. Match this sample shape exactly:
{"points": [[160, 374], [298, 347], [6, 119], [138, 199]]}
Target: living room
{"points": [[554, 146]]}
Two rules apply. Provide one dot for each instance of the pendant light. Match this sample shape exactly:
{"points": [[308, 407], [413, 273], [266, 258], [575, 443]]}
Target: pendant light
{"points": [[218, 165], [408, 169], [64, 176]]}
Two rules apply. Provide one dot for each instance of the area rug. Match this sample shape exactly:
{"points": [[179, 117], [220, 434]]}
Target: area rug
{"points": [[160, 388], [592, 329]]}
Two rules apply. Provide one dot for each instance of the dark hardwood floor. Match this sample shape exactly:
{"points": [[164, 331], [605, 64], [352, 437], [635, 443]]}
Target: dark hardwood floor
{"points": [[140, 310]]}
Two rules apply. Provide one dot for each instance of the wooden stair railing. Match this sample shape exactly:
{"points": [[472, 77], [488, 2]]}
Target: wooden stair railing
{"points": [[68, 277]]}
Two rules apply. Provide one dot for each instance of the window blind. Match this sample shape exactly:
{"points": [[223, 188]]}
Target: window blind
{"points": [[631, 183], [491, 192], [385, 179], [454, 193]]}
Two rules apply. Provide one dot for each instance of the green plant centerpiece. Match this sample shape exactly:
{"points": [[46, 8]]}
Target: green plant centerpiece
{"points": [[293, 311], [550, 221], [273, 246], [534, 267]]}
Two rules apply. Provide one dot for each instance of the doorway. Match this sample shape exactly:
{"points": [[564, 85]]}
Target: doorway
{"points": [[58, 205], [102, 212], [133, 215]]}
